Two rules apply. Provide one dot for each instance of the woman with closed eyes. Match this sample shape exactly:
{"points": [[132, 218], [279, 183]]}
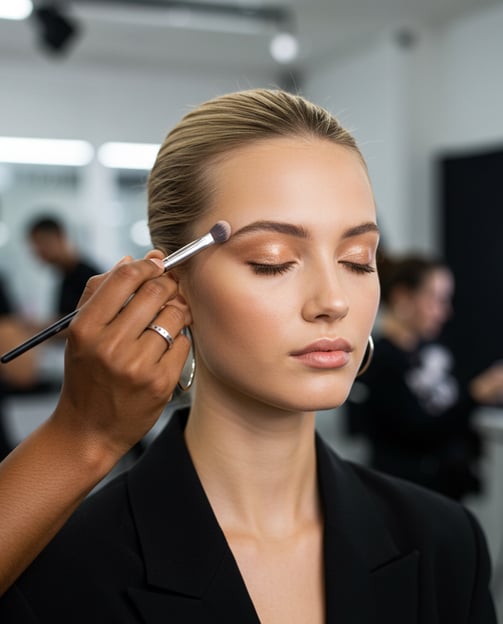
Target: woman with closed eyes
{"points": [[239, 512]]}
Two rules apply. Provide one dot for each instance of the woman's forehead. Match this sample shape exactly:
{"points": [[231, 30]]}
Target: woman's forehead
{"points": [[290, 180]]}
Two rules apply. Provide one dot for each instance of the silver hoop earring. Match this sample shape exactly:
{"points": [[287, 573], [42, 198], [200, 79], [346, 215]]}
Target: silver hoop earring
{"points": [[189, 368], [369, 354]]}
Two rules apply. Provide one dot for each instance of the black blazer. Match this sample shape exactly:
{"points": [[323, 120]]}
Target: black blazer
{"points": [[147, 548]]}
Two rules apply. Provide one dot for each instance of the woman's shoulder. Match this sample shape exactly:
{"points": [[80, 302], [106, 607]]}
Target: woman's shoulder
{"points": [[103, 522], [96, 551], [445, 532], [414, 517], [428, 545]]}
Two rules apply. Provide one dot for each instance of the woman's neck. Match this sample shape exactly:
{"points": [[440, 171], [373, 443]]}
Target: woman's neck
{"points": [[398, 332], [258, 468]]}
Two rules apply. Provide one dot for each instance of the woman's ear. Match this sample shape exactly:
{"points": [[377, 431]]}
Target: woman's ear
{"points": [[178, 301]]}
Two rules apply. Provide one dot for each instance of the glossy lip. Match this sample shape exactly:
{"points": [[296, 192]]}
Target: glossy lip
{"points": [[324, 354], [325, 345]]}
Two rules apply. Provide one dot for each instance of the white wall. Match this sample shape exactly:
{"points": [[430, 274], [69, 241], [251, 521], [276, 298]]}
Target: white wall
{"points": [[455, 104], [365, 91], [473, 54], [407, 105], [99, 103]]}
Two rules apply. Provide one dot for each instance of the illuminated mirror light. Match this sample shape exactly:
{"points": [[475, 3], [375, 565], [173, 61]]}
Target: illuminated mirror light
{"points": [[128, 155], [140, 234], [284, 47], [45, 151], [15, 9]]}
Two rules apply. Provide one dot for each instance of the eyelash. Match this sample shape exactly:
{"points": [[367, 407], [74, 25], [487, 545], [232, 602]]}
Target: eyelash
{"points": [[359, 268], [278, 269], [270, 269]]}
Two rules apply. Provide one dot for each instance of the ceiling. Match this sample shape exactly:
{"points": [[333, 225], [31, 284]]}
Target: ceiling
{"points": [[132, 33]]}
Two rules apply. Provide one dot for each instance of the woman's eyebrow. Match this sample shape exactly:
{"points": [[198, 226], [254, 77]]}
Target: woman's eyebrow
{"points": [[363, 228], [299, 231], [273, 226]]}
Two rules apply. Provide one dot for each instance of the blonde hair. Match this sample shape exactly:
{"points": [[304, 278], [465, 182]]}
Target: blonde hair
{"points": [[180, 185]]}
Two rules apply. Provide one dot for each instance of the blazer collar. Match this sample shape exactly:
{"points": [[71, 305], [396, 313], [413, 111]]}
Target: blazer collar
{"points": [[185, 551], [367, 577]]}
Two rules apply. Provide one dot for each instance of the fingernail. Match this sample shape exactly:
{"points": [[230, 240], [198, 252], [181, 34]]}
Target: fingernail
{"points": [[158, 262]]}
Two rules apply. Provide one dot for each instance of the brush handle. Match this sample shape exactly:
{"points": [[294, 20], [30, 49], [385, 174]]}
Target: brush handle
{"points": [[170, 262], [43, 335]]}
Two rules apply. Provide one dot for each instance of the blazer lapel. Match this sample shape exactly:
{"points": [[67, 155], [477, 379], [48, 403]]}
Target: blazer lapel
{"points": [[367, 578], [191, 573], [192, 576]]}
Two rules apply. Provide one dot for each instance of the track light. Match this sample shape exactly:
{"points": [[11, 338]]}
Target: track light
{"points": [[229, 16], [56, 30]]}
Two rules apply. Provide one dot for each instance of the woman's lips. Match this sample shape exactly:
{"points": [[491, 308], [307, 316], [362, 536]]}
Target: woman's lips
{"points": [[325, 353]]}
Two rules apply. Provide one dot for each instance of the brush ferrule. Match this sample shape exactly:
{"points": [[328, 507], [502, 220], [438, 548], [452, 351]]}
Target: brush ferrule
{"points": [[189, 250]]}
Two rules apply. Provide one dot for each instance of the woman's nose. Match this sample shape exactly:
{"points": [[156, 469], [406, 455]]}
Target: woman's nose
{"points": [[325, 297]]}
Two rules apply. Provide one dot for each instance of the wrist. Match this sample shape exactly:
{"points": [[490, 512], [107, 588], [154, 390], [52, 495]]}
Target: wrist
{"points": [[90, 450]]}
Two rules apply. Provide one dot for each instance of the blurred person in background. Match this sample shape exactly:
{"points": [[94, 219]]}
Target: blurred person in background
{"points": [[50, 243], [18, 374], [409, 404]]}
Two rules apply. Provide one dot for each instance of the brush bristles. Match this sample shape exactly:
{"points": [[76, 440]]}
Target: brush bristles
{"points": [[221, 231]]}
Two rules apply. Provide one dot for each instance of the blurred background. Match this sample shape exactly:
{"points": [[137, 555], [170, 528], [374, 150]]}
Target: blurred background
{"points": [[415, 81], [90, 88]]}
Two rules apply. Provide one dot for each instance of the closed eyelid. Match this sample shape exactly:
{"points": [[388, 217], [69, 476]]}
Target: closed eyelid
{"points": [[361, 253]]}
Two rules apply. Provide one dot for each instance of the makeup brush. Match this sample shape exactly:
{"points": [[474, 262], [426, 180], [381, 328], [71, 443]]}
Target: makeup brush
{"points": [[219, 233]]}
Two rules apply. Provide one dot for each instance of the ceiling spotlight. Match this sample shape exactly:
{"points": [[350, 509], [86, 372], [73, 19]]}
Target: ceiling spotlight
{"points": [[56, 29], [284, 47], [140, 234]]}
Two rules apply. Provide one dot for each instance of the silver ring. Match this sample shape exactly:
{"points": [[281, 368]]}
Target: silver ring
{"points": [[162, 332]]}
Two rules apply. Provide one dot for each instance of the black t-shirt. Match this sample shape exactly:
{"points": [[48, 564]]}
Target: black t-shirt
{"points": [[417, 418], [412, 399], [72, 286]]}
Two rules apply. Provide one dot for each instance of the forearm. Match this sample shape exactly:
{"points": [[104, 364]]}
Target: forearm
{"points": [[118, 380], [41, 483]]}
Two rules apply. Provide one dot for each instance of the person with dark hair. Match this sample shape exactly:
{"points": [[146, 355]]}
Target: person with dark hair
{"points": [[239, 512], [50, 243], [20, 373], [409, 404]]}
